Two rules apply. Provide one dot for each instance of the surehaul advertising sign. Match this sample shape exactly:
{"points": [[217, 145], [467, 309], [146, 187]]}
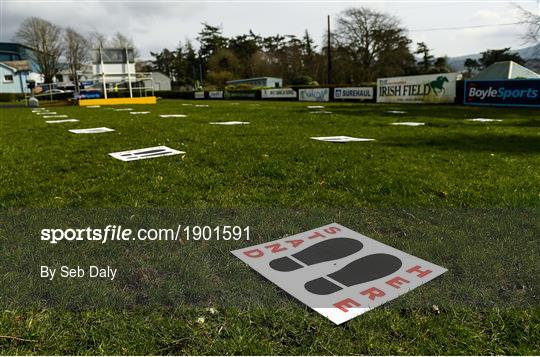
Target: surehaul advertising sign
{"points": [[431, 88], [353, 93], [513, 92]]}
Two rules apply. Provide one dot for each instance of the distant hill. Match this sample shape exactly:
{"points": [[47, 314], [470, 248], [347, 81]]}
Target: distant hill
{"points": [[528, 53]]}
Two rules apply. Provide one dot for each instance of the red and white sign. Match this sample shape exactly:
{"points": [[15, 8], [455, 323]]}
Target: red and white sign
{"points": [[338, 272]]}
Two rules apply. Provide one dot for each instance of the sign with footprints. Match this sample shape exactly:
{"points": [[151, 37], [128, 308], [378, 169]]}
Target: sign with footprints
{"points": [[338, 272]]}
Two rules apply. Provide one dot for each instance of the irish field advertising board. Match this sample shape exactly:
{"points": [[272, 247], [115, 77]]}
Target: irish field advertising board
{"points": [[353, 93], [430, 88], [279, 93], [338, 272], [314, 95], [512, 92], [199, 95]]}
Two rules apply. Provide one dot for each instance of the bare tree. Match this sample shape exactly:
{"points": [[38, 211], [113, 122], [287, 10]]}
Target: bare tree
{"points": [[76, 53], [121, 41], [46, 39], [532, 22], [374, 41], [98, 40]]}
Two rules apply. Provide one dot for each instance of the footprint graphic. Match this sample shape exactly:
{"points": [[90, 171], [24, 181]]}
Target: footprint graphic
{"points": [[324, 251], [362, 270]]}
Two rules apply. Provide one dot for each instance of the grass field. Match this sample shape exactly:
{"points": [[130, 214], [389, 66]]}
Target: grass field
{"points": [[471, 189]]}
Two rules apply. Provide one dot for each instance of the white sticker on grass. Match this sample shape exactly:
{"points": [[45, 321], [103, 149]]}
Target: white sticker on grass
{"points": [[187, 104], [409, 123], [483, 120], [139, 113], [54, 116], [91, 130], [93, 106], [61, 121], [46, 113], [315, 106], [320, 112], [340, 139], [396, 112], [202, 105], [173, 115], [338, 272], [229, 122], [122, 109], [146, 153]]}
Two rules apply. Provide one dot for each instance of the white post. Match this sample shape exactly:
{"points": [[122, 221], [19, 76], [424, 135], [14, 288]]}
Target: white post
{"points": [[129, 74], [103, 74]]}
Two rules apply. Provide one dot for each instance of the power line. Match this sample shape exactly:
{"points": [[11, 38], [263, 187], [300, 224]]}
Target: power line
{"points": [[465, 27]]}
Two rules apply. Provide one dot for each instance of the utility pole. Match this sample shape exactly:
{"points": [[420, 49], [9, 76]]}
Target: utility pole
{"points": [[329, 53], [200, 69]]}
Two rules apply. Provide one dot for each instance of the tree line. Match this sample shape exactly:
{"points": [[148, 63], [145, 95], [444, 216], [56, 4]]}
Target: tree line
{"points": [[365, 44]]}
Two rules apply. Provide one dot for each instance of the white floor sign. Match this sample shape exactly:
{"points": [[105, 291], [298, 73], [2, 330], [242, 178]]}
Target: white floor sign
{"points": [[229, 122], [61, 121], [409, 123], [339, 139], [146, 153], [338, 272], [91, 130]]}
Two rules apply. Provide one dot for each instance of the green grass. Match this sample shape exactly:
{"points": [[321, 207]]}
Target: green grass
{"points": [[461, 194], [272, 162]]}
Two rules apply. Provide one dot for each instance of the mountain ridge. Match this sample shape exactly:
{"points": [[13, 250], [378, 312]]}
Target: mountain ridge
{"points": [[527, 53]]}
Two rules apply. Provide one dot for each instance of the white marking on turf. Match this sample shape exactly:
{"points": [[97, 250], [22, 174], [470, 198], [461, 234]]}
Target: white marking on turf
{"points": [[315, 106], [54, 116], [138, 113]]}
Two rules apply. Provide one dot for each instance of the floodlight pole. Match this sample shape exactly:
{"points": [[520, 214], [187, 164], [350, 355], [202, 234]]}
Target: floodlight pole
{"points": [[103, 73], [129, 74]]}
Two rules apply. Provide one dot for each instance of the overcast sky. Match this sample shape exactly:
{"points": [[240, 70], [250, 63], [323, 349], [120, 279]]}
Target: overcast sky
{"points": [[154, 25]]}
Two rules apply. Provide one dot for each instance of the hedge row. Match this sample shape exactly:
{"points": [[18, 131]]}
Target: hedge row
{"points": [[11, 97]]}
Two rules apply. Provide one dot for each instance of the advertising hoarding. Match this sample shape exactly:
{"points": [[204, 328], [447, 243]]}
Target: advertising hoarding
{"points": [[353, 93], [512, 92], [430, 88], [314, 95]]}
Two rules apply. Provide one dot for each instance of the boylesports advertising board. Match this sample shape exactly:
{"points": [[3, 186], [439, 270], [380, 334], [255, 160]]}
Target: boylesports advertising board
{"points": [[512, 92]]}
